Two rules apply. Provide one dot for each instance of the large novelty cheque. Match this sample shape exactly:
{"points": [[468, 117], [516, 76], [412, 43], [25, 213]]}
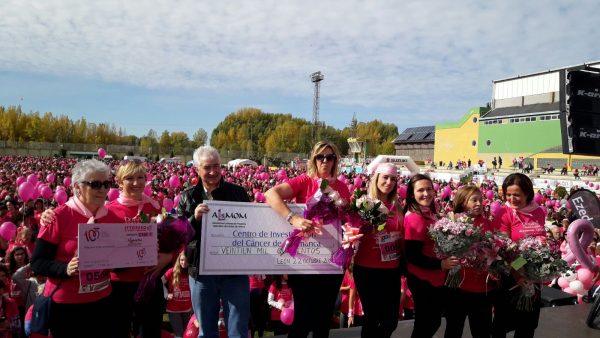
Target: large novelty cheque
{"points": [[245, 238]]}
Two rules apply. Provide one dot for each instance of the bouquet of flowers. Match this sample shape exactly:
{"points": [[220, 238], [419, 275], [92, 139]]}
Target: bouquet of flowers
{"points": [[454, 236], [539, 261], [325, 207], [366, 214], [173, 233], [370, 212], [493, 254]]}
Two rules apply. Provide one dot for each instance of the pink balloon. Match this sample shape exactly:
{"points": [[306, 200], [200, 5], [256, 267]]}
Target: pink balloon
{"points": [[281, 174], [570, 291], [32, 178], [8, 230], [585, 276], [60, 187], [168, 204], [436, 187], [148, 189], [67, 181], [579, 236], [60, 196], [495, 208], [174, 182], [113, 194], [563, 283], [50, 178], [538, 198], [46, 192], [101, 153], [342, 178], [402, 189], [287, 316], [358, 182], [20, 180], [489, 194], [26, 191], [176, 200]]}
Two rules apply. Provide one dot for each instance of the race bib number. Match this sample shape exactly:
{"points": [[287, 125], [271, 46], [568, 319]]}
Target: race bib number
{"points": [[389, 245], [93, 280]]}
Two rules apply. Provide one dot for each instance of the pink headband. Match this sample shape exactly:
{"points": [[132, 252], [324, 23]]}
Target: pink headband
{"points": [[387, 168]]}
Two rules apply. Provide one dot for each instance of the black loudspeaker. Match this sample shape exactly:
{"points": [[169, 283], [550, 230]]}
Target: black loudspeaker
{"points": [[580, 111], [553, 297]]}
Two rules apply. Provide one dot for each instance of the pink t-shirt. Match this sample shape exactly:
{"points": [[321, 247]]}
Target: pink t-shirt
{"points": [[284, 294], [130, 214], [63, 232], [369, 252], [182, 299], [305, 187], [257, 282], [415, 229], [475, 280], [519, 224]]}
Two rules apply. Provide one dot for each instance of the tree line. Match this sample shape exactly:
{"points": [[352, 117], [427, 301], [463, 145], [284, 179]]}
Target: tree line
{"points": [[248, 129]]}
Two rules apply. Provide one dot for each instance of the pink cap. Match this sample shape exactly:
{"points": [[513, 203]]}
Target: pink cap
{"points": [[387, 168]]}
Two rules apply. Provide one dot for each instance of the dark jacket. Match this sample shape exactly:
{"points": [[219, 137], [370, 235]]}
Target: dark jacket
{"points": [[190, 198]]}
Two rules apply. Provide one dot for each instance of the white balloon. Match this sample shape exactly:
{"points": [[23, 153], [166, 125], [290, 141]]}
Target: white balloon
{"points": [[577, 286]]}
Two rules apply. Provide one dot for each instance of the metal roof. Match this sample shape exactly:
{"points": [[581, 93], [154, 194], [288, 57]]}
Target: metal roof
{"points": [[416, 134], [531, 109]]}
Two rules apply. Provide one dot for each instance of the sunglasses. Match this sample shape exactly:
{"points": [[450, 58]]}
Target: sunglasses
{"points": [[136, 161], [97, 185], [328, 157]]}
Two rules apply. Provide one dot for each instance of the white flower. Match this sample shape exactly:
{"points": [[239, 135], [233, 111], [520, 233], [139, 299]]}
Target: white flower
{"points": [[368, 203], [360, 201], [334, 195], [383, 209]]}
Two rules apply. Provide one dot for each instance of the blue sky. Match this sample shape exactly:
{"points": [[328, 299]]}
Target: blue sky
{"points": [[186, 64]]}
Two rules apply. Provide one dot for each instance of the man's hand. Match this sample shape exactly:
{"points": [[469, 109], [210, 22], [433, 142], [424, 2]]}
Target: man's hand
{"points": [[200, 210]]}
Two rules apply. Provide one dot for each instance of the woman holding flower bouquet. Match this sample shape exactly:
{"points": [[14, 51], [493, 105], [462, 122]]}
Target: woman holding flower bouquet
{"points": [[314, 295], [519, 218], [377, 260], [426, 273], [471, 299]]}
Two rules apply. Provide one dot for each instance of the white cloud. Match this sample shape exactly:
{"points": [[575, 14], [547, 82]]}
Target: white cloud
{"points": [[412, 56]]}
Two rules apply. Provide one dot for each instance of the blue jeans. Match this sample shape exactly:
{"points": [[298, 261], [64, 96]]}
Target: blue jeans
{"points": [[207, 292]]}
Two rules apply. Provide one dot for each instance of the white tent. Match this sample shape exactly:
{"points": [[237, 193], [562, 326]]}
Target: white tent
{"points": [[240, 162]]}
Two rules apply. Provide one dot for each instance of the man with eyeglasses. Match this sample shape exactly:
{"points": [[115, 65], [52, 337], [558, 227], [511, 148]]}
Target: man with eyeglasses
{"points": [[208, 291]]}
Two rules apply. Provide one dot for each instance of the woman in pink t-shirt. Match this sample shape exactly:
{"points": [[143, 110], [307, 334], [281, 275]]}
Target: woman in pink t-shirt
{"points": [[80, 304], [176, 282], [472, 299], [377, 260], [426, 273], [519, 218], [132, 206], [315, 295], [279, 296]]}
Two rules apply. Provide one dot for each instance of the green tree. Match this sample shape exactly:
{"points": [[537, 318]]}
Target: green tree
{"points": [[199, 138]]}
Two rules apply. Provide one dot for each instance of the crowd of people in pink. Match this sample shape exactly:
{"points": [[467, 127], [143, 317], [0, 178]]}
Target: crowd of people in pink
{"points": [[396, 271]]}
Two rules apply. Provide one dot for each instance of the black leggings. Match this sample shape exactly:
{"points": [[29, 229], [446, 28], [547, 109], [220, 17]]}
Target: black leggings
{"points": [[429, 306], [462, 304], [88, 320], [379, 291], [314, 300]]}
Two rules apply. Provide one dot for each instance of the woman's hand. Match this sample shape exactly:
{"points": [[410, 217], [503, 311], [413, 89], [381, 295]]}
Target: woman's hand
{"points": [[450, 262], [73, 267], [169, 296], [48, 216], [301, 223]]}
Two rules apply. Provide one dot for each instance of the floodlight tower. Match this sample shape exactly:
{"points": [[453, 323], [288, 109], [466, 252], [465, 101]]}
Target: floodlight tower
{"points": [[316, 78]]}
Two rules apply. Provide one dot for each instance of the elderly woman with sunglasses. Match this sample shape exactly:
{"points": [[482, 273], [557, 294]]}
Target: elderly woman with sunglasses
{"points": [[133, 206], [80, 303], [314, 295]]}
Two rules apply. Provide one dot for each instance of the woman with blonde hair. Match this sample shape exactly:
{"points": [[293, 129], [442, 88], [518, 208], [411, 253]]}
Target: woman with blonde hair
{"points": [[314, 295], [377, 260], [176, 286]]}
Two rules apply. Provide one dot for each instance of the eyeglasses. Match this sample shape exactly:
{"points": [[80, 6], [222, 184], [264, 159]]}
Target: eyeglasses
{"points": [[328, 157], [97, 185], [136, 161]]}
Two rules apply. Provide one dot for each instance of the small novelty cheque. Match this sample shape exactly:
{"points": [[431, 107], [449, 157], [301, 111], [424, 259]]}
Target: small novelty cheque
{"points": [[109, 246], [240, 238]]}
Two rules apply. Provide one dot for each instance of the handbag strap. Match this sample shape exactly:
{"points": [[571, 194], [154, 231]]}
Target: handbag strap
{"points": [[56, 288]]}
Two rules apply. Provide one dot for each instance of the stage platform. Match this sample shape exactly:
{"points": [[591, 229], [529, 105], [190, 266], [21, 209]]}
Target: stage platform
{"points": [[555, 322]]}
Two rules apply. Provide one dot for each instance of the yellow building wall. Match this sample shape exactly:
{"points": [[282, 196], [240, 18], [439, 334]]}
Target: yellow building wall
{"points": [[458, 140]]}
